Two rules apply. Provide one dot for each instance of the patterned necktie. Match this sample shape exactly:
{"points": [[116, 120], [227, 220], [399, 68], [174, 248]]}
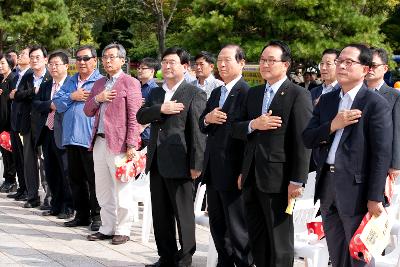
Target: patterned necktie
{"points": [[267, 99], [223, 96], [50, 117]]}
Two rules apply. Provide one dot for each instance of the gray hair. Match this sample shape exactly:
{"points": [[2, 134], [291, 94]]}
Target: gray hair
{"points": [[121, 49]]}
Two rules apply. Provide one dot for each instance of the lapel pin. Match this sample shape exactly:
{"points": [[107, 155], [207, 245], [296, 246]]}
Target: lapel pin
{"points": [[282, 93]]}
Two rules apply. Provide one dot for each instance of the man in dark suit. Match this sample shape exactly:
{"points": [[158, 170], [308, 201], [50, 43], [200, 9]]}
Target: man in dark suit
{"points": [[222, 161], [375, 81], [174, 158], [309, 79], [43, 129], [353, 129], [328, 74], [275, 164], [28, 87]]}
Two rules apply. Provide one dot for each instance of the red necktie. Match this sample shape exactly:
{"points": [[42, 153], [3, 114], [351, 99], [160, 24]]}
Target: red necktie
{"points": [[50, 117]]}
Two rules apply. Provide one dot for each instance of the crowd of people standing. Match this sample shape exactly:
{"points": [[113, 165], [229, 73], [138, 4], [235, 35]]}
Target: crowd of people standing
{"points": [[253, 147]]}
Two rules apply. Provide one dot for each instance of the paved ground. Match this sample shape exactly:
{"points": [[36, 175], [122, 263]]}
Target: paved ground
{"points": [[29, 239]]}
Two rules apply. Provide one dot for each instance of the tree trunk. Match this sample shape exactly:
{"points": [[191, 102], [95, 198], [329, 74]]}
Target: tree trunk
{"points": [[162, 30]]}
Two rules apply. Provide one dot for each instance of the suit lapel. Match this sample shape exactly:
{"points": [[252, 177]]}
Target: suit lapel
{"points": [[231, 96], [259, 96], [179, 91], [277, 101]]}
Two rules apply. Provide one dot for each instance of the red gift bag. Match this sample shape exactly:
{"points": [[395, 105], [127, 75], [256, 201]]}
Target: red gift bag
{"points": [[5, 141], [127, 170]]}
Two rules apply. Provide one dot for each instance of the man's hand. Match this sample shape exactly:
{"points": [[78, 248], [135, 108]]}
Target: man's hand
{"points": [[1, 91], [132, 154], [345, 118], [266, 122], [395, 173], [195, 174], [12, 93], [80, 95], [106, 96], [375, 208], [239, 182], [294, 191], [172, 107], [216, 117], [52, 106]]}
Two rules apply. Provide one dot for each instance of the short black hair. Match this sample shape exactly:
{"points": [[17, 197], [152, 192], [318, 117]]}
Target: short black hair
{"points": [[88, 47], [365, 56], [239, 55], [38, 47], [331, 51], [286, 52], [150, 62], [11, 50], [381, 53], [61, 54], [180, 52], [10, 61], [208, 57]]}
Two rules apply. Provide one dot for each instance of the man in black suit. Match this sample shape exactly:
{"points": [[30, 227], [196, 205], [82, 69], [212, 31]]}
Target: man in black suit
{"points": [[222, 161], [28, 87], [376, 82], [16, 143], [43, 128], [328, 74], [275, 164], [174, 158], [353, 129]]}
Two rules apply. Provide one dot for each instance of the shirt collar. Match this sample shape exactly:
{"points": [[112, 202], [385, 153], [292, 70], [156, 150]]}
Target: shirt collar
{"points": [[332, 84], [149, 82], [353, 92], [206, 81], [275, 87], [61, 82], [173, 89], [380, 85], [39, 77], [232, 83], [22, 72], [79, 77], [115, 76]]}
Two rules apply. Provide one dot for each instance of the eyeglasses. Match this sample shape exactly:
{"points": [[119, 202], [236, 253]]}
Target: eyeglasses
{"points": [[169, 62], [374, 66], [268, 61], [142, 68], [35, 57], [55, 65], [111, 58], [326, 65], [347, 62], [84, 58]]}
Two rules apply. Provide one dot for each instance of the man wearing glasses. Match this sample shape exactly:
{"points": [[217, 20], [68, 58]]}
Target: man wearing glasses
{"points": [[76, 137], [147, 70], [275, 161], [174, 157], [353, 129], [45, 126]]}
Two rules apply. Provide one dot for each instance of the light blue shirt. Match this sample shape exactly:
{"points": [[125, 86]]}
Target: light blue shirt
{"points": [[345, 103], [328, 88], [275, 87]]}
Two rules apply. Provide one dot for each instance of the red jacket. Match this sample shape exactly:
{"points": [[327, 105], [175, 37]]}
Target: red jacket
{"points": [[120, 125]]}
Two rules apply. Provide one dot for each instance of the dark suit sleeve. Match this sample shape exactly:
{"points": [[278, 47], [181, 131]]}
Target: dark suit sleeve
{"points": [[300, 155], [198, 139], [149, 112], [380, 134], [241, 124], [206, 128], [42, 106], [24, 92], [396, 135], [315, 133]]}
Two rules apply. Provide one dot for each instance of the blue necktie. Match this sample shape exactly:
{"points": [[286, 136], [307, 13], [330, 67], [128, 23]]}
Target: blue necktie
{"points": [[223, 96], [267, 99]]}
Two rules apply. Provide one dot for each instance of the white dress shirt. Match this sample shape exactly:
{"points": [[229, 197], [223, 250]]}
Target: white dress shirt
{"points": [[345, 104], [170, 92]]}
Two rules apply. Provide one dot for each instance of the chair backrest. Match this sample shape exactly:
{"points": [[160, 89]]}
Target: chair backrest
{"points": [[304, 211], [198, 201]]}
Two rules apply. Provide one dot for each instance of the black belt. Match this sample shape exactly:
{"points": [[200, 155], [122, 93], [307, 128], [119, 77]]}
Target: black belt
{"points": [[329, 167], [101, 135]]}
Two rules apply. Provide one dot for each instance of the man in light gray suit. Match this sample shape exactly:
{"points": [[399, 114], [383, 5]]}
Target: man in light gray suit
{"points": [[204, 73], [375, 81]]}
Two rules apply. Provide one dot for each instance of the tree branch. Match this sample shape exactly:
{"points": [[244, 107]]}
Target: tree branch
{"points": [[172, 13]]}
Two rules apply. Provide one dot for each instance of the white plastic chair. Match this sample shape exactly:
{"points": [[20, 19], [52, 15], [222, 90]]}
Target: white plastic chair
{"points": [[201, 218], [141, 193], [314, 251]]}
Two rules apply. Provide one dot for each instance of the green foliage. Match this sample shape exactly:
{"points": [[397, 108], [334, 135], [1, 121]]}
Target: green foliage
{"points": [[309, 26], [45, 22]]}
